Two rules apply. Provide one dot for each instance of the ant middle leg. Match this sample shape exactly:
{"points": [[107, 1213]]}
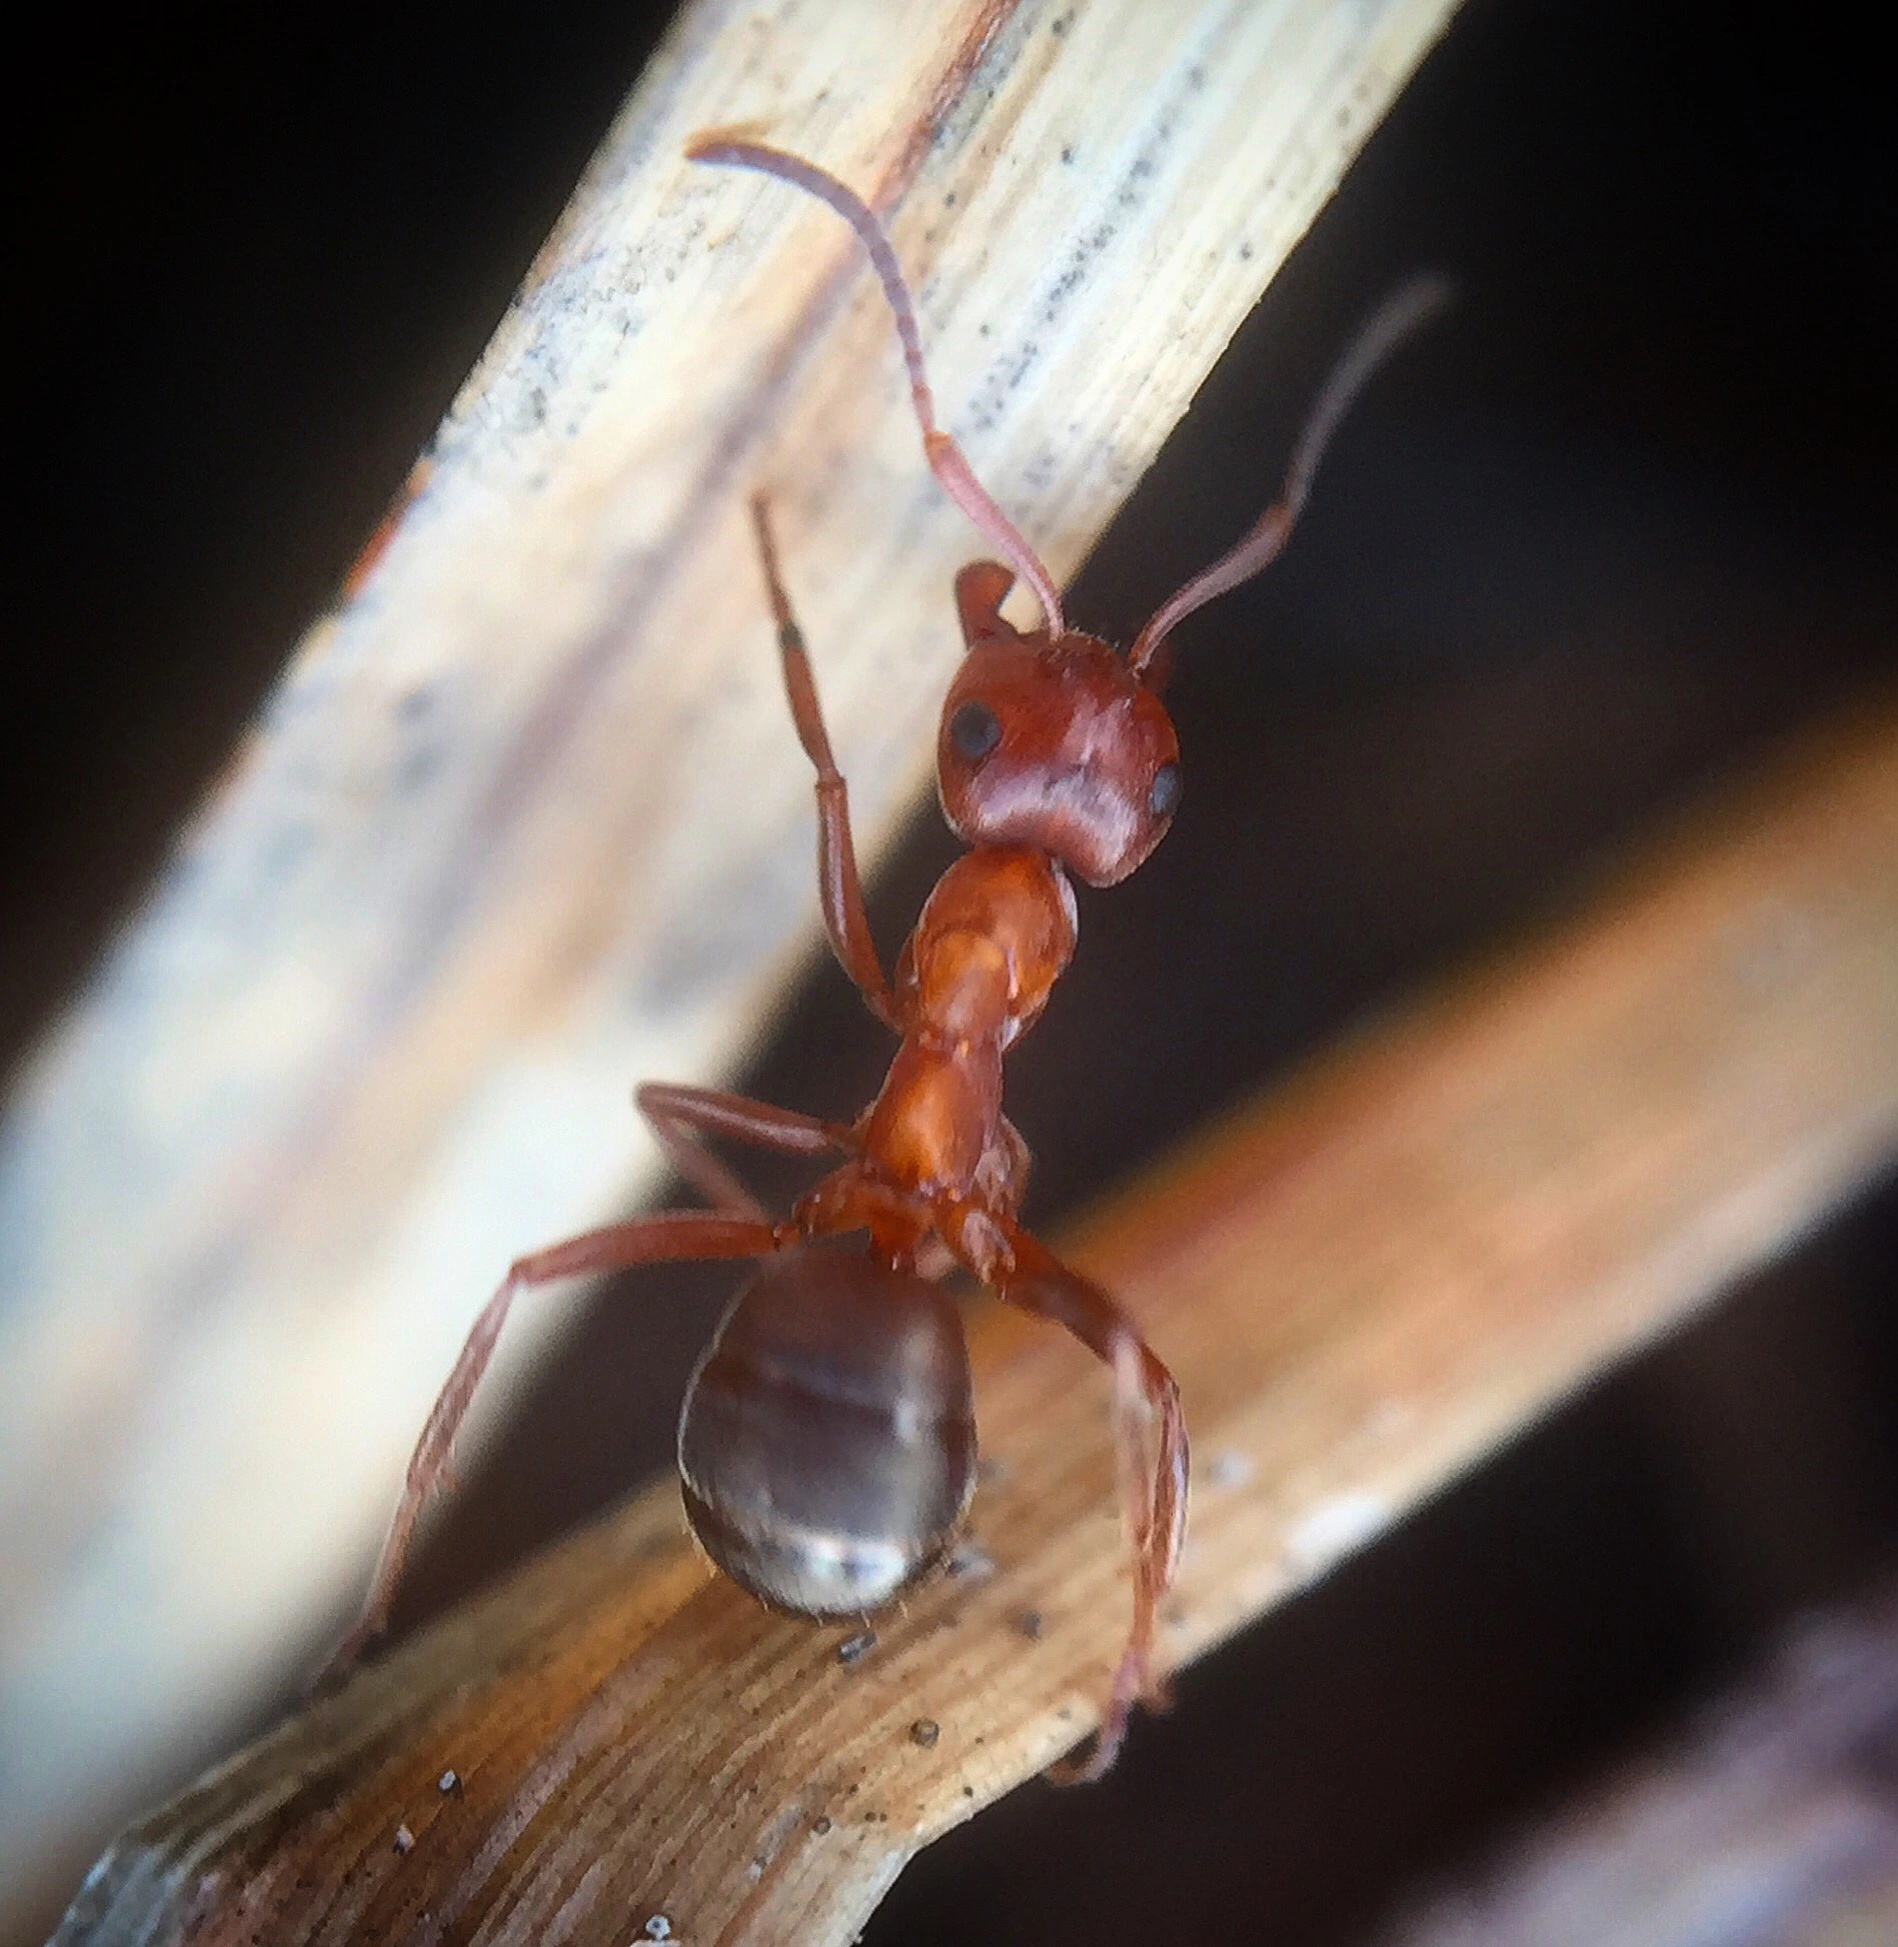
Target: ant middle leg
{"points": [[839, 886], [1150, 1439], [682, 1117], [669, 1235]]}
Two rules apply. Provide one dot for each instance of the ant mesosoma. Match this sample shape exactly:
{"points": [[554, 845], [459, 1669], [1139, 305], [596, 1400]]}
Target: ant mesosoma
{"points": [[827, 1448]]}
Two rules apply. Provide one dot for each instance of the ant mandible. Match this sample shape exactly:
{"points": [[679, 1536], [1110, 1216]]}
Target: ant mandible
{"points": [[827, 1449]]}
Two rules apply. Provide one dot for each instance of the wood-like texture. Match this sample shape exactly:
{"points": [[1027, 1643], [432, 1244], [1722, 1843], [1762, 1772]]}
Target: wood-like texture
{"points": [[525, 821], [1773, 1818], [1406, 1253]]}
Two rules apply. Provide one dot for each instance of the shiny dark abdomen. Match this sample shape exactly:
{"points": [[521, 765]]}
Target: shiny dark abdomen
{"points": [[827, 1441]]}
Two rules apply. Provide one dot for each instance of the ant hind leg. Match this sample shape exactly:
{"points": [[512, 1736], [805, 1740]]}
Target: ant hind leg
{"points": [[1150, 1439], [669, 1235]]}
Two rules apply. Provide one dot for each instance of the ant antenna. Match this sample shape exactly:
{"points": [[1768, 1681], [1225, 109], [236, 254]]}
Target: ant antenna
{"points": [[946, 459], [1410, 305]]}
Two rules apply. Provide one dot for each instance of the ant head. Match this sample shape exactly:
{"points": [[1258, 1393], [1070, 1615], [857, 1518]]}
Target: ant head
{"points": [[1050, 740]]}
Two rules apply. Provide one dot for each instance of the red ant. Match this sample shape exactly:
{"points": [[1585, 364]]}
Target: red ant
{"points": [[827, 1445]]}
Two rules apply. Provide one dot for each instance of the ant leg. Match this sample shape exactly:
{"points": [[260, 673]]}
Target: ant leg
{"points": [[671, 1234], [1150, 1435], [839, 888], [682, 1117]]}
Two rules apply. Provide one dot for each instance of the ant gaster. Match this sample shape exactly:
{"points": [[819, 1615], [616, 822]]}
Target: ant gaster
{"points": [[827, 1446]]}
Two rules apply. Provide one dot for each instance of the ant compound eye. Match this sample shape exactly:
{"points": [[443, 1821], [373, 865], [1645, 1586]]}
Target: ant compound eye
{"points": [[974, 730], [1163, 795]]}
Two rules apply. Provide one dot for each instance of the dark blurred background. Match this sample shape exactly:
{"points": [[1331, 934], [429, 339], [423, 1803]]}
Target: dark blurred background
{"points": [[1597, 542]]}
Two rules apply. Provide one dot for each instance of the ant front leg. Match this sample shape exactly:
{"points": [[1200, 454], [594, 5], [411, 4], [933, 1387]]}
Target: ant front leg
{"points": [[670, 1235], [682, 1117], [1150, 1436], [839, 888]]}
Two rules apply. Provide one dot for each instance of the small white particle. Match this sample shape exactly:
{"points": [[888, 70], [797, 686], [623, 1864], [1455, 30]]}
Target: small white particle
{"points": [[971, 1561], [1333, 1529]]}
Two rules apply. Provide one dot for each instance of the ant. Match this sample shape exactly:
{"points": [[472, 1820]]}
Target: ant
{"points": [[827, 1447]]}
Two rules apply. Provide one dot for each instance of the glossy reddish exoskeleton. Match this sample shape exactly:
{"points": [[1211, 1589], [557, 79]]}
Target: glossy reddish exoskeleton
{"points": [[827, 1445]]}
